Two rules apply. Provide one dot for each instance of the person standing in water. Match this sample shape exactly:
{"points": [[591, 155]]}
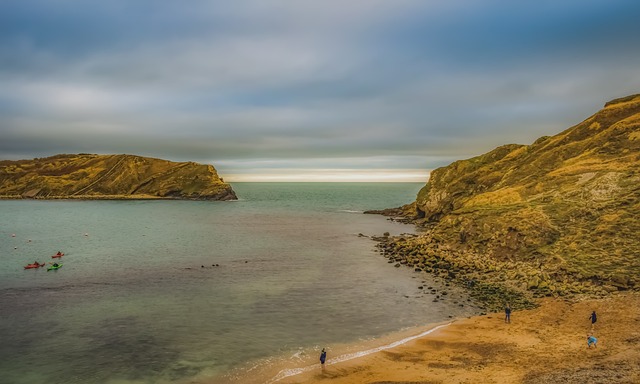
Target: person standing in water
{"points": [[323, 357]]}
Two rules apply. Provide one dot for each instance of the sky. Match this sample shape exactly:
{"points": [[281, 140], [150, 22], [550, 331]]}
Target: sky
{"points": [[294, 90]]}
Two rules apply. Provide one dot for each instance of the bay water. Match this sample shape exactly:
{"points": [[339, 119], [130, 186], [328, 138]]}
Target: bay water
{"points": [[203, 292]]}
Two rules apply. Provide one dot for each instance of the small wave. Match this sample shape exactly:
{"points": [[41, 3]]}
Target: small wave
{"points": [[292, 372], [350, 356], [298, 355], [349, 211]]}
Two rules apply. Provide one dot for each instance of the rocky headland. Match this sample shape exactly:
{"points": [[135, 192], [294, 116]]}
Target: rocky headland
{"points": [[88, 176], [557, 218]]}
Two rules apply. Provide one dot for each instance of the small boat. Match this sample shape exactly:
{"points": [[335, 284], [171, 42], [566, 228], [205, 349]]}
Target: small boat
{"points": [[57, 256], [54, 267], [34, 265]]}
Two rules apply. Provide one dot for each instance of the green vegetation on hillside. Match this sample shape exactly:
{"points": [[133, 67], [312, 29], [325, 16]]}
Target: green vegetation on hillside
{"points": [[557, 217]]}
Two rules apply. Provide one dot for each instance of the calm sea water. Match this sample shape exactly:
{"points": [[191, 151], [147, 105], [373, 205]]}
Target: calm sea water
{"points": [[187, 291]]}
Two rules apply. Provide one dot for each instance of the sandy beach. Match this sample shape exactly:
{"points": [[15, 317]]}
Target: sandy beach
{"points": [[543, 345]]}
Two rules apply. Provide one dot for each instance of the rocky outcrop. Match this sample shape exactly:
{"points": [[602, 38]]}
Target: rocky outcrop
{"points": [[557, 217], [87, 176]]}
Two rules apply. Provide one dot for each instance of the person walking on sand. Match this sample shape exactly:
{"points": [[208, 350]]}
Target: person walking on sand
{"points": [[591, 340], [507, 314], [593, 319], [323, 357]]}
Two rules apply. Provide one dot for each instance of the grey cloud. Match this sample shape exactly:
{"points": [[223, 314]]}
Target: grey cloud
{"points": [[408, 82]]}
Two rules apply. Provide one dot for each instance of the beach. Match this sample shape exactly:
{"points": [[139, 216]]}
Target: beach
{"points": [[542, 345]]}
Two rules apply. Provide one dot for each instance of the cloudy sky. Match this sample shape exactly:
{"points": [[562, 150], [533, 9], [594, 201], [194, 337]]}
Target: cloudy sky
{"points": [[307, 90]]}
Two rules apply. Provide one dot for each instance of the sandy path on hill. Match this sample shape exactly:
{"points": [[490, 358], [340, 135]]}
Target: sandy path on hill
{"points": [[543, 345]]}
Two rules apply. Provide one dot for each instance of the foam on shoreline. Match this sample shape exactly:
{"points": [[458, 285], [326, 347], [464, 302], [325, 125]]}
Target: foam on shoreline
{"points": [[350, 356]]}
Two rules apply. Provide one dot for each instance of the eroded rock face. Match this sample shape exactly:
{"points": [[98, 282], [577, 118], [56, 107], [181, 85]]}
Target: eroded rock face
{"points": [[563, 210], [110, 176]]}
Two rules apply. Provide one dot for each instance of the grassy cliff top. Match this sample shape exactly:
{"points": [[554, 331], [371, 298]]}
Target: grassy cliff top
{"points": [[544, 216], [110, 176]]}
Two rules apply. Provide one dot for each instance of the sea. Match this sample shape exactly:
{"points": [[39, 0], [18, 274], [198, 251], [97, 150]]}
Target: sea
{"points": [[168, 291]]}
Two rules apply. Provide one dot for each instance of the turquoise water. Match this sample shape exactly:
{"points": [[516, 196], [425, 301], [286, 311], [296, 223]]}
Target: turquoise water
{"points": [[188, 291]]}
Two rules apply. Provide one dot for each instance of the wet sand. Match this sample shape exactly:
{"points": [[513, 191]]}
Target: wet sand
{"points": [[542, 345]]}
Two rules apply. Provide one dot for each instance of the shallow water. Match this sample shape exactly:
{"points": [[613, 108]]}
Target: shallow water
{"points": [[139, 298]]}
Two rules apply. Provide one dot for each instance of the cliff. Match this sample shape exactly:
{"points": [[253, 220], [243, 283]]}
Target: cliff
{"points": [[557, 217], [87, 176]]}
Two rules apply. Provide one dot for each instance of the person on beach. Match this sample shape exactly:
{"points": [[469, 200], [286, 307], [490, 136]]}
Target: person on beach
{"points": [[593, 318], [507, 314], [591, 340], [323, 357]]}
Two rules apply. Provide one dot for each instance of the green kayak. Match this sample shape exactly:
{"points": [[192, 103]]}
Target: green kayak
{"points": [[54, 267]]}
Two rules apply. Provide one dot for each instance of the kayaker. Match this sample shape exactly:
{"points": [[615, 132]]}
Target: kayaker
{"points": [[55, 265], [36, 263], [59, 253]]}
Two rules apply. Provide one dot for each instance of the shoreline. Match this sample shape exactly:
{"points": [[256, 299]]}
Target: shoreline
{"points": [[546, 344], [109, 197], [291, 372], [291, 365]]}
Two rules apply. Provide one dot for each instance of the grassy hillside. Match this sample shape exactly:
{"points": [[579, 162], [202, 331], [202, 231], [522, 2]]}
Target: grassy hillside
{"points": [[559, 216], [110, 176]]}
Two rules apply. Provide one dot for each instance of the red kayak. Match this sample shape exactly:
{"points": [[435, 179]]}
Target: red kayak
{"points": [[35, 265], [57, 256]]}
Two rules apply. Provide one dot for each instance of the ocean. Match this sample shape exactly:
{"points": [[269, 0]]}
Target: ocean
{"points": [[204, 292]]}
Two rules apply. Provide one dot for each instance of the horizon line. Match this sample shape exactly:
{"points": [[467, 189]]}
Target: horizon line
{"points": [[332, 176], [324, 181]]}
